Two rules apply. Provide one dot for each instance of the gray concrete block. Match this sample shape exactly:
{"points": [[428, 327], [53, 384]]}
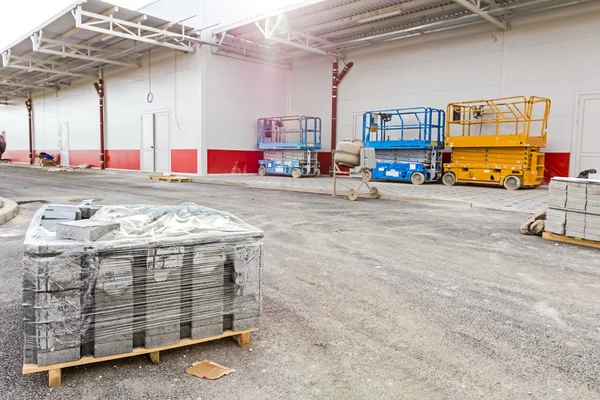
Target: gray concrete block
{"points": [[57, 320], [46, 358], [246, 306], [557, 230], [113, 348], [85, 230], [163, 291], [243, 324], [575, 216], [88, 212], [152, 341], [214, 320], [206, 331], [54, 273], [113, 301], [589, 236], [63, 214]]}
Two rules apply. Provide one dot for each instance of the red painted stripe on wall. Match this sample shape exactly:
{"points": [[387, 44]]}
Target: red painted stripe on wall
{"points": [[246, 161], [16, 155], [556, 164], [184, 160], [123, 159], [233, 161], [324, 158], [89, 157]]}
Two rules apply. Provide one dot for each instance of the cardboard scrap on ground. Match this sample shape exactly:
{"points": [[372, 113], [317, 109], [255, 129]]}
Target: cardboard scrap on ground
{"points": [[208, 370]]}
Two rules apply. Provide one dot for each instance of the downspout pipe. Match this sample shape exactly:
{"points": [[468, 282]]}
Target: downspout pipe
{"points": [[99, 86], [29, 106], [337, 78]]}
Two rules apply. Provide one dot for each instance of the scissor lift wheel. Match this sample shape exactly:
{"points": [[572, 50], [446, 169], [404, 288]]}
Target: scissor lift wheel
{"points": [[417, 178], [262, 170], [449, 179], [296, 173], [512, 182]]}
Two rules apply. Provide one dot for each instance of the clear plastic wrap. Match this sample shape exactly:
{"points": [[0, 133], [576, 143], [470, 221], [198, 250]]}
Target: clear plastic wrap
{"points": [[164, 274]]}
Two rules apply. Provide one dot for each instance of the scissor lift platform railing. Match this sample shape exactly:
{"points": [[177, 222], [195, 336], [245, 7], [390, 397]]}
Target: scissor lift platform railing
{"points": [[290, 145], [408, 143], [497, 142]]}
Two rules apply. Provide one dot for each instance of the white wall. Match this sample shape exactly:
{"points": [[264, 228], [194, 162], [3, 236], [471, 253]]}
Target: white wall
{"points": [[175, 89], [14, 122], [237, 93], [555, 58]]}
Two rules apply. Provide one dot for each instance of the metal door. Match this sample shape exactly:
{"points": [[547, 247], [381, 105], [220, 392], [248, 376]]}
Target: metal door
{"points": [[64, 144], [162, 149], [587, 154], [147, 152]]}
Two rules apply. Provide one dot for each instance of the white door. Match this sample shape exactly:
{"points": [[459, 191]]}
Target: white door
{"points": [[147, 152], [587, 154], [64, 144], [162, 150]]}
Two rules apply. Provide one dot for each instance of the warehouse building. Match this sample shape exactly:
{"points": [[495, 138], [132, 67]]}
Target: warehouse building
{"points": [[178, 85]]}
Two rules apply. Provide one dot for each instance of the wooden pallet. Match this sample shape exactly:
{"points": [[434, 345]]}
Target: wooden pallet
{"points": [[55, 371], [169, 178], [571, 240]]}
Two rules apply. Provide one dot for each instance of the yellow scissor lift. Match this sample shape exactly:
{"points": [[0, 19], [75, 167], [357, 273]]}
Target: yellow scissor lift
{"points": [[497, 142]]}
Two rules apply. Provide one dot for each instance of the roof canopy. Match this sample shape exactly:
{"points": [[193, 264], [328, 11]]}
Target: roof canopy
{"points": [[331, 27], [81, 39]]}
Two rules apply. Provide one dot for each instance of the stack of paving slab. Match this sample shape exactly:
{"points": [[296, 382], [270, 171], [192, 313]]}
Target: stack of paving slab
{"points": [[574, 208], [101, 280]]}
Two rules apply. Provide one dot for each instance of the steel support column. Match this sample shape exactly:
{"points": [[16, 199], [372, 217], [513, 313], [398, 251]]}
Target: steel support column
{"points": [[337, 78], [29, 106]]}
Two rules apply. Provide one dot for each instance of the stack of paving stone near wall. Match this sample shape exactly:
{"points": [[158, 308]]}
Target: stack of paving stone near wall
{"points": [[574, 208], [136, 276]]}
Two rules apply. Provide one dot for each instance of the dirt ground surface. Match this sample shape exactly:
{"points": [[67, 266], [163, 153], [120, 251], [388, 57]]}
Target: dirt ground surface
{"points": [[370, 299]]}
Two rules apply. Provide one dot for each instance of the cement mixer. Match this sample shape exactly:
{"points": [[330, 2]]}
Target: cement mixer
{"points": [[352, 154]]}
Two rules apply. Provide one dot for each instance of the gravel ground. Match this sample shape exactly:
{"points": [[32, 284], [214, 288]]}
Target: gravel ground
{"points": [[361, 300]]}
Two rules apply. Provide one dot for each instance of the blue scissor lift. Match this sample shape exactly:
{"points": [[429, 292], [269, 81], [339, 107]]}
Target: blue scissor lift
{"points": [[289, 145], [408, 143]]}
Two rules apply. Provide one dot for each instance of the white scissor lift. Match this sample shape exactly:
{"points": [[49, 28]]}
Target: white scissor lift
{"points": [[351, 154]]}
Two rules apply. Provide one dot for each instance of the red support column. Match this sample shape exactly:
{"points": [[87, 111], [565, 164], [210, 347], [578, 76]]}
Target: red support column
{"points": [[99, 86], [337, 78]]}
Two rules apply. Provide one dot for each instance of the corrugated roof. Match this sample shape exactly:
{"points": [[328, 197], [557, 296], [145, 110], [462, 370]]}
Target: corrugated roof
{"points": [[330, 27], [68, 52]]}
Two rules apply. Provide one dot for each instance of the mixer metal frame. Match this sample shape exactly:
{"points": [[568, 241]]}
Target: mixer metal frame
{"points": [[365, 168]]}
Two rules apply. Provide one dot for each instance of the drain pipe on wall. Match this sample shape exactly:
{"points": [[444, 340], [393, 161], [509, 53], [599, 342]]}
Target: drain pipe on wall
{"points": [[337, 78], [99, 86], [29, 106]]}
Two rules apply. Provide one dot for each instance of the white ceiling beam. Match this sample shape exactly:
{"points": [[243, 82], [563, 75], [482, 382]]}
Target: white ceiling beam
{"points": [[45, 70], [298, 45], [475, 8], [62, 48], [21, 85], [133, 31]]}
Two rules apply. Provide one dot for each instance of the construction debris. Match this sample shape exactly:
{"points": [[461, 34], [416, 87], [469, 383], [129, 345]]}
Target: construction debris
{"points": [[534, 224], [208, 370]]}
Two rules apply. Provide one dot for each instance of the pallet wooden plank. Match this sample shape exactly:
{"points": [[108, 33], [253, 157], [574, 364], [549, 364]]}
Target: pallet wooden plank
{"points": [[170, 178], [54, 377], [33, 368], [243, 339], [571, 240], [155, 357]]}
